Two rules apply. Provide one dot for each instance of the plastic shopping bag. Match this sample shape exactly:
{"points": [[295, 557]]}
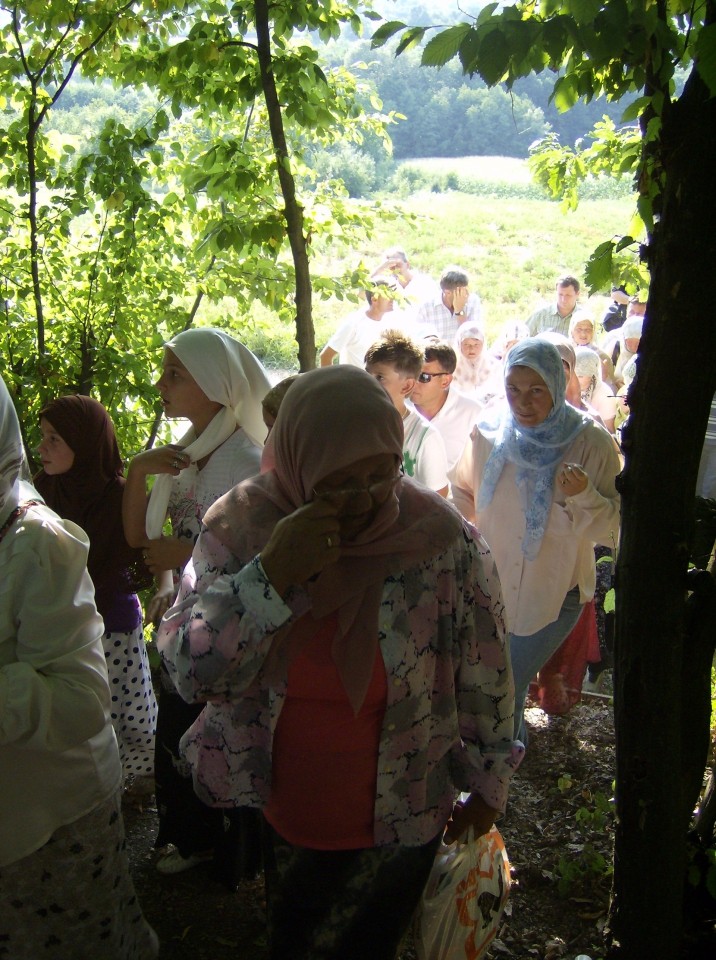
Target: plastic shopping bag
{"points": [[464, 899]]}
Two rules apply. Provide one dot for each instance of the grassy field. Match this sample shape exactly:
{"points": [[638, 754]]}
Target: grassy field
{"points": [[513, 249]]}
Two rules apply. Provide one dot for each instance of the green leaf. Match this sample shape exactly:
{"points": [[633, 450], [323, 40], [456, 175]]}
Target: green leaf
{"points": [[385, 32], [598, 269], [706, 56], [624, 242], [635, 109], [444, 46], [494, 57], [565, 93], [410, 38]]}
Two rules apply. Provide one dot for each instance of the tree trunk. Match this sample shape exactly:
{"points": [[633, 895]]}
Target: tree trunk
{"points": [[305, 334], [669, 403]]}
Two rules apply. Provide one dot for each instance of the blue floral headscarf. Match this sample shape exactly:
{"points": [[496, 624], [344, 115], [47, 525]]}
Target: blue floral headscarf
{"points": [[535, 451]]}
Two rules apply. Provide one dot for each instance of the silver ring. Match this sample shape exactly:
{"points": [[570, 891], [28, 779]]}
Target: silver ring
{"points": [[175, 464]]}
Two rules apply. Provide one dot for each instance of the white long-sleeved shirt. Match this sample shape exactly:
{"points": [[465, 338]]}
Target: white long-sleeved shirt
{"points": [[58, 752], [534, 590]]}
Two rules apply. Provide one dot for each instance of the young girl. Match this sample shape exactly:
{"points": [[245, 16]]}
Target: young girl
{"points": [[81, 480], [216, 383]]}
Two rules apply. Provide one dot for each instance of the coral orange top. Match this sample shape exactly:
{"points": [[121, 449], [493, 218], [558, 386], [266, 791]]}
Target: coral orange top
{"points": [[324, 761]]}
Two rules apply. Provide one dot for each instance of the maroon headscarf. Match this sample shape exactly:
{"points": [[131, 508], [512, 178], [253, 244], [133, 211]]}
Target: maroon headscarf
{"points": [[90, 493], [328, 420]]}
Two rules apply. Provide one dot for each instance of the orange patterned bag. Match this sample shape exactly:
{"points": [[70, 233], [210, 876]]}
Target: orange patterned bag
{"points": [[464, 899]]}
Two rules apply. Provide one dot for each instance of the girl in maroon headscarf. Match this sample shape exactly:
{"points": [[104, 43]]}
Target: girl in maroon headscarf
{"points": [[82, 480]]}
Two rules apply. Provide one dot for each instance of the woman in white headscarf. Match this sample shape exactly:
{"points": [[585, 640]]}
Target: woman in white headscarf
{"points": [[475, 368], [629, 337], [217, 384], [539, 480], [595, 393], [64, 874]]}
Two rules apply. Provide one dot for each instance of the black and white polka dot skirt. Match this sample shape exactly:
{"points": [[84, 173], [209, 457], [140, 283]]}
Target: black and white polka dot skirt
{"points": [[134, 707]]}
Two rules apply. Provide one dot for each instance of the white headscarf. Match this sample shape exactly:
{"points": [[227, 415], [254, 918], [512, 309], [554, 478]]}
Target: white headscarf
{"points": [[229, 374], [11, 455], [588, 363], [631, 328], [470, 374]]}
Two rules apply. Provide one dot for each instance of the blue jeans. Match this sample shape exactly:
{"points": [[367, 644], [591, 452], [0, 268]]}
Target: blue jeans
{"points": [[530, 653]]}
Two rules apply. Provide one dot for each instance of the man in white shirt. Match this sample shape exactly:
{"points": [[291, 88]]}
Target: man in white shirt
{"points": [[443, 405], [395, 362], [453, 305], [416, 287], [556, 316], [359, 330]]}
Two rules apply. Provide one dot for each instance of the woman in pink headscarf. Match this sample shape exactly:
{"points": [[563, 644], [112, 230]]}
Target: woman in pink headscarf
{"points": [[344, 627]]}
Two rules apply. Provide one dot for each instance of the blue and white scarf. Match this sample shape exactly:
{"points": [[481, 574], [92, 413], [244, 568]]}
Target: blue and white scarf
{"points": [[535, 451]]}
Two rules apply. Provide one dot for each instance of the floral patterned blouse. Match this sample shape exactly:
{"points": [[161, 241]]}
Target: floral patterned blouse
{"points": [[449, 713]]}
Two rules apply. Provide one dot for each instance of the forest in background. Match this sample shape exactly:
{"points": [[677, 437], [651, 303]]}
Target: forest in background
{"points": [[429, 112]]}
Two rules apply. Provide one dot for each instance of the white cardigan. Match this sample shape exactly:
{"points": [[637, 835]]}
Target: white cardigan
{"points": [[58, 752]]}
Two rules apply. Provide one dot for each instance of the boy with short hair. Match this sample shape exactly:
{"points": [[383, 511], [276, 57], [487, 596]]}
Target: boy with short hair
{"points": [[395, 362]]}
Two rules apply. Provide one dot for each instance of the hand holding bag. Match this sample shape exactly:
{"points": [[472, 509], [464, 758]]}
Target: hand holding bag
{"points": [[464, 898]]}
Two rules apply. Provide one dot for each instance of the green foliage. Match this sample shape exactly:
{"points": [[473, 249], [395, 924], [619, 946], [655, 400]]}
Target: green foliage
{"points": [[122, 226], [582, 865], [615, 50]]}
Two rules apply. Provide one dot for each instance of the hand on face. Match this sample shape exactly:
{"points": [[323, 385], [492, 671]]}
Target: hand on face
{"points": [[302, 544], [459, 299]]}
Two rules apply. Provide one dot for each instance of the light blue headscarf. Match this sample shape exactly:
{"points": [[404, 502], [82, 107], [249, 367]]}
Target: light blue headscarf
{"points": [[535, 451]]}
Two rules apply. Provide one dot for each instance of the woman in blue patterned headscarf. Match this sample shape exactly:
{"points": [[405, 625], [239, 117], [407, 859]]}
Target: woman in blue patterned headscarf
{"points": [[538, 478]]}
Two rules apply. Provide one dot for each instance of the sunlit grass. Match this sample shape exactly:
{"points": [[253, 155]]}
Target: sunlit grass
{"points": [[513, 249]]}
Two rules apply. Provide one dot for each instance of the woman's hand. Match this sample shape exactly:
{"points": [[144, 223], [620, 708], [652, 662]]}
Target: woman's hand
{"points": [[167, 553], [473, 812], [572, 479], [170, 459], [158, 605], [301, 545]]}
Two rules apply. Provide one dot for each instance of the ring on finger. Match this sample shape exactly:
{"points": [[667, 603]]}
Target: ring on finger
{"points": [[175, 464]]}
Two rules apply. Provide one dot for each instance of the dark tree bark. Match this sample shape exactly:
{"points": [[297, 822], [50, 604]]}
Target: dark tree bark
{"points": [[670, 401], [305, 334]]}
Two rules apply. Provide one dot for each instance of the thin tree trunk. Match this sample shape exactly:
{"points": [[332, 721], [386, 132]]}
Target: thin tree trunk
{"points": [[670, 402], [33, 127], [305, 334]]}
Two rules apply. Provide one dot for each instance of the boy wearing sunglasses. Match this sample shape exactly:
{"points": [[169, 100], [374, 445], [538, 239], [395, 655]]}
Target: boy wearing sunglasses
{"points": [[396, 362], [439, 401]]}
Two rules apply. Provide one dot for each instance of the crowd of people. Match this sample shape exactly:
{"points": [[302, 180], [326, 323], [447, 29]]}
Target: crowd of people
{"points": [[358, 573]]}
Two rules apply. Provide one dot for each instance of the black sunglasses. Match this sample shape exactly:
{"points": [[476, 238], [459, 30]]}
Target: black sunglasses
{"points": [[427, 377]]}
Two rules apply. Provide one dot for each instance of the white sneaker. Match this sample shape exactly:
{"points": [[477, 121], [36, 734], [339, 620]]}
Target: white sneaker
{"points": [[174, 862]]}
